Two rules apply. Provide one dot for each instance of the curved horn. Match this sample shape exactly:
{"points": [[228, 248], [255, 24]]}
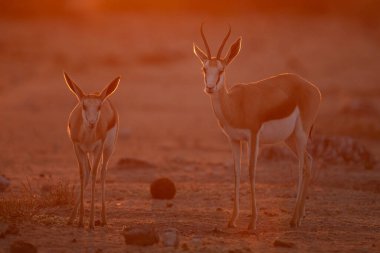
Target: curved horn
{"points": [[205, 41], [223, 43]]}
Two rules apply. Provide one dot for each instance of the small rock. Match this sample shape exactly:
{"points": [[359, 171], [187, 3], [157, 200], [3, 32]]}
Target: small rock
{"points": [[169, 204], [185, 247], [22, 247], [235, 251], [4, 183], [142, 235], [97, 223], [162, 188], [219, 209], [284, 244], [74, 240], [12, 230], [170, 237], [6, 229]]}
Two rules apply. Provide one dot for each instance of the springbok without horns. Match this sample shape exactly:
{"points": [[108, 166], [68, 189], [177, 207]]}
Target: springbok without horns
{"points": [[92, 127], [279, 108]]}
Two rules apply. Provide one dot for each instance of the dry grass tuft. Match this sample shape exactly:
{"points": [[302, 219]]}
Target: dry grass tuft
{"points": [[28, 203]]}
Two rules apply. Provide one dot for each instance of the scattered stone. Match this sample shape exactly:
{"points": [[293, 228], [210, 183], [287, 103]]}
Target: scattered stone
{"points": [[162, 188], [169, 204], [219, 209], [185, 247], [142, 235], [4, 183], [12, 230], [6, 229], [170, 237], [22, 247], [97, 223], [284, 244], [129, 163], [235, 251], [74, 240]]}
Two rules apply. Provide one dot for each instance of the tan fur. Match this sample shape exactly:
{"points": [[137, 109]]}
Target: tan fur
{"points": [[92, 127], [282, 107]]}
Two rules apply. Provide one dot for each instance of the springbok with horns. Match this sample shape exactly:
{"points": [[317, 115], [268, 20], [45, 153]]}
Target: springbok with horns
{"points": [[279, 108], [92, 127]]}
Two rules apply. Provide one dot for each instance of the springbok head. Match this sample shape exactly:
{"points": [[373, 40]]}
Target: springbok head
{"points": [[91, 104], [213, 67]]}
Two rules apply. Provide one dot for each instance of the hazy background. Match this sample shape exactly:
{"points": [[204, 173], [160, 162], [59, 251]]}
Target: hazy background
{"points": [[166, 119]]}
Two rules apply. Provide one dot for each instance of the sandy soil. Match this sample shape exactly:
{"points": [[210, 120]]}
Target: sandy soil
{"points": [[167, 120]]}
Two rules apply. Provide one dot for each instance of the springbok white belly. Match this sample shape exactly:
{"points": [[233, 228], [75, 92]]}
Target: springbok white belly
{"points": [[278, 130]]}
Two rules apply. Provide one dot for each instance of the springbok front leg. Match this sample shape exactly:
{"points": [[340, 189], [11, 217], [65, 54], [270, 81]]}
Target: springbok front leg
{"points": [[253, 150], [84, 173], [103, 173], [95, 166], [236, 148]]}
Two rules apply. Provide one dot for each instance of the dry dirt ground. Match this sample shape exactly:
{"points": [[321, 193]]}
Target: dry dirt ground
{"points": [[166, 120]]}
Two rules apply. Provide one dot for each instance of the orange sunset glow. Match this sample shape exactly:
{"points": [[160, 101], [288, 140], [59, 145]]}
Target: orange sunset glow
{"points": [[189, 126]]}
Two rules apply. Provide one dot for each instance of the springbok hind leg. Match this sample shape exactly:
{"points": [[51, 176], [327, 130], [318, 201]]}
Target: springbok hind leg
{"points": [[304, 174]]}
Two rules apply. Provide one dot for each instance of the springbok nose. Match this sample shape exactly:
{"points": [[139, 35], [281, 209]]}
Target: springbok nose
{"points": [[91, 125], [209, 89]]}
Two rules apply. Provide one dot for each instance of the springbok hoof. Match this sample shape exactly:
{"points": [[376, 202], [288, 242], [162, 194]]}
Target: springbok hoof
{"points": [[294, 224], [231, 224]]}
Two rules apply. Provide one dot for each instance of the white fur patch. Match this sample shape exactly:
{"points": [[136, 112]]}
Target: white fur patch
{"points": [[236, 133], [278, 130]]}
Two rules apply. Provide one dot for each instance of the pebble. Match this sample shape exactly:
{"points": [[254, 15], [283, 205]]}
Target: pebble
{"points": [[22, 247], [284, 244], [142, 235], [162, 188], [170, 237], [4, 183]]}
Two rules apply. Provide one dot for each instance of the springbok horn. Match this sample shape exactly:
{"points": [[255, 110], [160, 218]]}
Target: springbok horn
{"points": [[205, 41], [223, 43]]}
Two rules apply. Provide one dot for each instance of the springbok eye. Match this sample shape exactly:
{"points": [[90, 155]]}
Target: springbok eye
{"points": [[98, 108]]}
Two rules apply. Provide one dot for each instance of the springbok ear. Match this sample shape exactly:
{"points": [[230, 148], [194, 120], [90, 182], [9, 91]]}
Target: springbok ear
{"points": [[73, 87], [199, 53], [107, 91], [233, 52]]}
